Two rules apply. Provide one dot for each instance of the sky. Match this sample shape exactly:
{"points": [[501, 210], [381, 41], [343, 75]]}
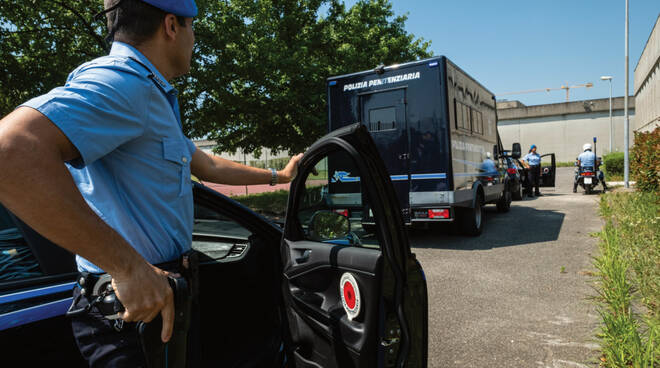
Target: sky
{"points": [[519, 45]]}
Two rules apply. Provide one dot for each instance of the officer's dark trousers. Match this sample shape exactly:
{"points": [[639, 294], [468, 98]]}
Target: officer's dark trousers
{"points": [[103, 345], [533, 177]]}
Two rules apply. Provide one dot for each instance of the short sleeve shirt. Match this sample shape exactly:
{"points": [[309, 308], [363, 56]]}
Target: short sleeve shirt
{"points": [[134, 166], [587, 158], [533, 159]]}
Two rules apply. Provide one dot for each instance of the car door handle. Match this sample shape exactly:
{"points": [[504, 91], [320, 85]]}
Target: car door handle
{"points": [[304, 257]]}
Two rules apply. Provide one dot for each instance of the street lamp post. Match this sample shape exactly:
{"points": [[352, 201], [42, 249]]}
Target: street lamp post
{"points": [[609, 78], [626, 121]]}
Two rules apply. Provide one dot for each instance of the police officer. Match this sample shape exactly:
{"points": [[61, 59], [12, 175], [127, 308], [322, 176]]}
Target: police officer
{"points": [[532, 160], [109, 167], [588, 159]]}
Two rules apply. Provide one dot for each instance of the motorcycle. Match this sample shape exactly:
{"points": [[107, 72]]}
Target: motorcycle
{"points": [[587, 178]]}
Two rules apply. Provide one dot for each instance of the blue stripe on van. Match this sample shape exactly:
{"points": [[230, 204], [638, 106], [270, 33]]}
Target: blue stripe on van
{"points": [[429, 176]]}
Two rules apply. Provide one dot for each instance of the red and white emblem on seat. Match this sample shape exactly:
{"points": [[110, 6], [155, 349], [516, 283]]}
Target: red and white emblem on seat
{"points": [[350, 295]]}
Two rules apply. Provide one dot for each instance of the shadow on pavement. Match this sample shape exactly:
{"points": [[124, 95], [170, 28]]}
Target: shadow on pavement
{"points": [[520, 226]]}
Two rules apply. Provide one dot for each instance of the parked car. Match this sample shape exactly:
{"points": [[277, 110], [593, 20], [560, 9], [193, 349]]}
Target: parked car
{"points": [[324, 291], [548, 172], [514, 170]]}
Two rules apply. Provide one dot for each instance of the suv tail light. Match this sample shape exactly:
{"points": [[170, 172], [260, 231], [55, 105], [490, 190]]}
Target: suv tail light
{"points": [[439, 213]]}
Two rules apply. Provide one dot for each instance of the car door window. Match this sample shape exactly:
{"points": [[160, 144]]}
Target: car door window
{"points": [[334, 208]]}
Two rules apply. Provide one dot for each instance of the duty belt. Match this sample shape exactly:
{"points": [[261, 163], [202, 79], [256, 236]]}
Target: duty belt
{"points": [[97, 288]]}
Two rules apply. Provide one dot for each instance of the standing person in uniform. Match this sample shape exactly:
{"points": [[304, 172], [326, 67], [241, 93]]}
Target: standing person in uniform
{"points": [[532, 161], [109, 167]]}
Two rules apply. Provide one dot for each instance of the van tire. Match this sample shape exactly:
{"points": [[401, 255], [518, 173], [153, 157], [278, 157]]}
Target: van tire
{"points": [[504, 203], [472, 219]]}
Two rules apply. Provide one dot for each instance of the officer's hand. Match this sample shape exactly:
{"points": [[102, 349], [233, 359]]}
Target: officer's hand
{"points": [[145, 292], [290, 171]]}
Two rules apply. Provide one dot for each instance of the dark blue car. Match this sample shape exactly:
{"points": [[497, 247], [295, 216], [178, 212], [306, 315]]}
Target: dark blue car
{"points": [[323, 291]]}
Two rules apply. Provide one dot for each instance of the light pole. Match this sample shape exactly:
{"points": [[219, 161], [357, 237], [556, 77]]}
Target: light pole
{"points": [[609, 78], [626, 122]]}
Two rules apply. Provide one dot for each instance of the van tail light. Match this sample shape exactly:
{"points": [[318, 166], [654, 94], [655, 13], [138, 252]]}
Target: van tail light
{"points": [[511, 170], [439, 213], [343, 212]]}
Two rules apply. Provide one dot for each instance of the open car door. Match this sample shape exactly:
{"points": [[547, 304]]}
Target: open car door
{"points": [[354, 294], [548, 170]]}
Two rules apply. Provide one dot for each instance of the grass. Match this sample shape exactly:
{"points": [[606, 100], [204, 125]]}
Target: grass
{"points": [[628, 280], [565, 164], [269, 204]]}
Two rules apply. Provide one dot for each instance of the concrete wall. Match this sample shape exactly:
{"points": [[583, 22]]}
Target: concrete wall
{"points": [[647, 83], [563, 128]]}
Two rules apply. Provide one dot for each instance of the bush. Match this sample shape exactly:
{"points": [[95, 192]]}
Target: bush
{"points": [[613, 163], [645, 161]]}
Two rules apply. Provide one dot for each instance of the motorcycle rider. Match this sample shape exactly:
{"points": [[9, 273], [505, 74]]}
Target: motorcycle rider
{"points": [[588, 159]]}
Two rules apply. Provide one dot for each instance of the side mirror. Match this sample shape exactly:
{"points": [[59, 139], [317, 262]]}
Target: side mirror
{"points": [[496, 152], [515, 150], [327, 225]]}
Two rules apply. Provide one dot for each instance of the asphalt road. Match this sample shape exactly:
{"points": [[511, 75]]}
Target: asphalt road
{"points": [[518, 295]]}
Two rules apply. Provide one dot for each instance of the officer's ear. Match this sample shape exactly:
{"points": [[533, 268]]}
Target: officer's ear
{"points": [[170, 26]]}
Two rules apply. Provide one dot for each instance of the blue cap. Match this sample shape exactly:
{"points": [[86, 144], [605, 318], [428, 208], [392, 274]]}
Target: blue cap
{"points": [[533, 146], [183, 8]]}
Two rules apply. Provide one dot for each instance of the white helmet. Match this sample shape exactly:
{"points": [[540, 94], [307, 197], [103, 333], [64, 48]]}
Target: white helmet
{"points": [[487, 154], [587, 146]]}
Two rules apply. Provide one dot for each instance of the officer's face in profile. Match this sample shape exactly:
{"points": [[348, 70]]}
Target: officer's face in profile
{"points": [[185, 40]]}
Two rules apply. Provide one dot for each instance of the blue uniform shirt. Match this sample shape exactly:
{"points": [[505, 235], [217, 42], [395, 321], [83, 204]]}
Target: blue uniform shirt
{"points": [[533, 159], [587, 158], [488, 167], [134, 166]]}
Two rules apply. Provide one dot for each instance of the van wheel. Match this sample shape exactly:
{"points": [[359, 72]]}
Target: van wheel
{"points": [[504, 203], [472, 219]]}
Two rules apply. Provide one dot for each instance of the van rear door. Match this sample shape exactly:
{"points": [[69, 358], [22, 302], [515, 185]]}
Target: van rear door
{"points": [[384, 115]]}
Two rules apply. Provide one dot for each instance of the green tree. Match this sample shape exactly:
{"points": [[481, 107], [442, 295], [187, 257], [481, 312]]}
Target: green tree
{"points": [[41, 41], [259, 66]]}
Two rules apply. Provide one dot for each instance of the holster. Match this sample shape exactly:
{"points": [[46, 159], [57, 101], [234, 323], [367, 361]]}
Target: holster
{"points": [[173, 353]]}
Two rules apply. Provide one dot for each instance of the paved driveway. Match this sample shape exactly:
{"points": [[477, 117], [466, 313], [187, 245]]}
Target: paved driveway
{"points": [[518, 295]]}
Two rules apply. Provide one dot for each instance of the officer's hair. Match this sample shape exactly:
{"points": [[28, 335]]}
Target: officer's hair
{"points": [[134, 21]]}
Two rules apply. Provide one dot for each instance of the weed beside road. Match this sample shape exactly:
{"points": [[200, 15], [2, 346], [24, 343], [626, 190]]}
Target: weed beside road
{"points": [[628, 281]]}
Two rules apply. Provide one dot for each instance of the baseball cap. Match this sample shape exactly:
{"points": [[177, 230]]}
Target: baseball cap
{"points": [[184, 8]]}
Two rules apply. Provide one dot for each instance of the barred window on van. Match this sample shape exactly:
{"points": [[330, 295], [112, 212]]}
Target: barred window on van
{"points": [[477, 122], [462, 116], [382, 119]]}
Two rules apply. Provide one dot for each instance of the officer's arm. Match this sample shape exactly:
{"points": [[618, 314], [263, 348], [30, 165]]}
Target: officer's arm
{"points": [[37, 187], [219, 170]]}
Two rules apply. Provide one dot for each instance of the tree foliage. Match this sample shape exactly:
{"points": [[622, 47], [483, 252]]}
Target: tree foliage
{"points": [[258, 77]]}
